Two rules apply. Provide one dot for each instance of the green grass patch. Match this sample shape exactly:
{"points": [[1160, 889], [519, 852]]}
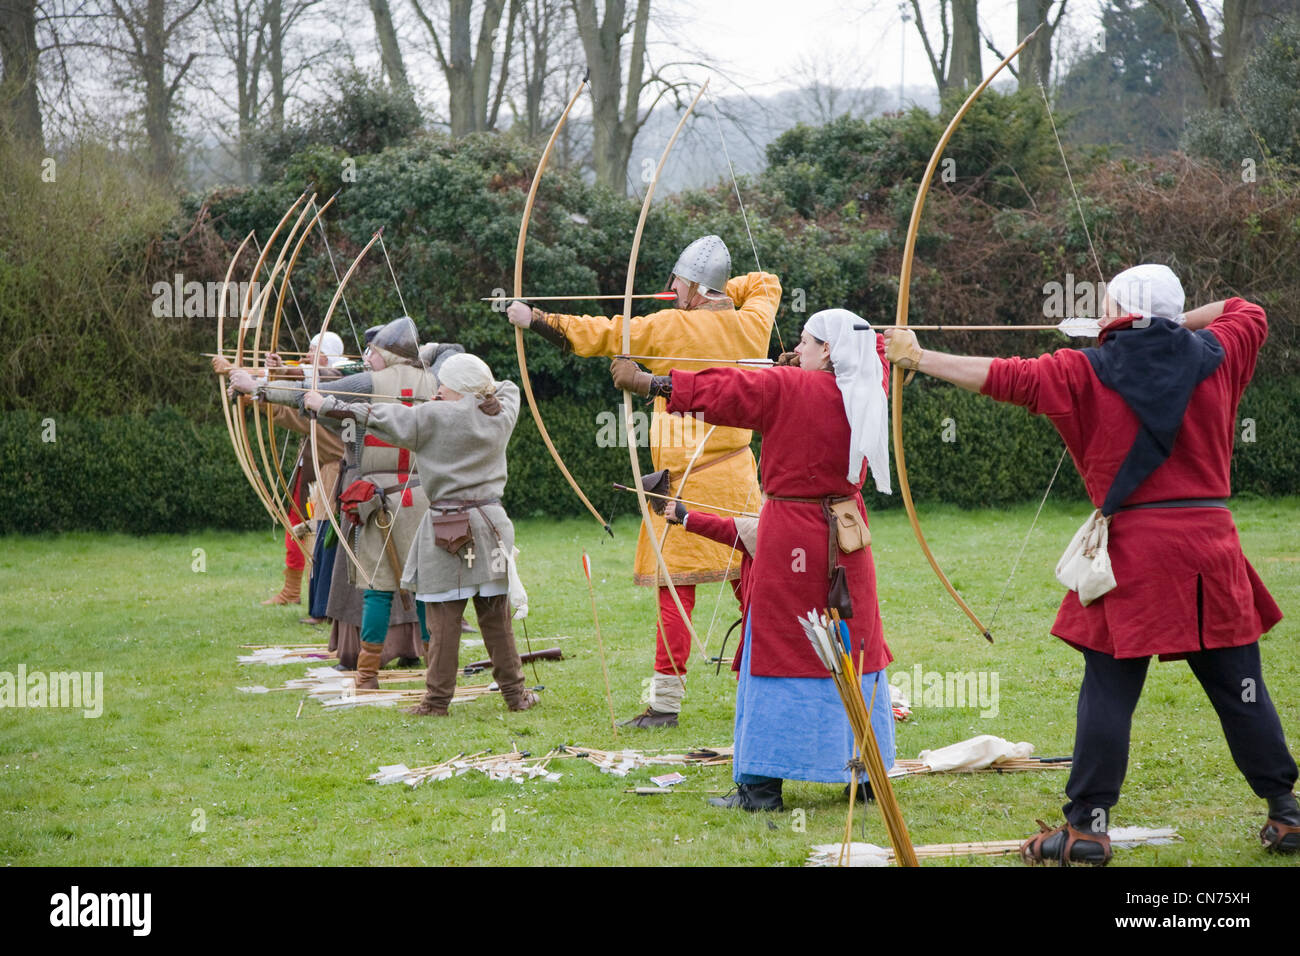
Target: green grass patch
{"points": [[177, 745]]}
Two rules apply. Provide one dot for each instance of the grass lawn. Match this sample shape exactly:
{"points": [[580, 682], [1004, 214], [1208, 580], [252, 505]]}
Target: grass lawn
{"points": [[176, 738]]}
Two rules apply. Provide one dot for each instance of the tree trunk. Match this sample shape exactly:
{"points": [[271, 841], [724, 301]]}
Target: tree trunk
{"points": [[1035, 63], [18, 57], [964, 70], [157, 104], [537, 20], [275, 61], [389, 50], [1215, 73], [614, 125]]}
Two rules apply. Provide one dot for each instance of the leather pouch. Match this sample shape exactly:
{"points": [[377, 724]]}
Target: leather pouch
{"points": [[851, 531], [451, 531], [838, 597]]}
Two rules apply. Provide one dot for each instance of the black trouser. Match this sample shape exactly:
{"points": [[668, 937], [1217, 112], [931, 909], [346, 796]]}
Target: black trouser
{"points": [[1233, 681]]}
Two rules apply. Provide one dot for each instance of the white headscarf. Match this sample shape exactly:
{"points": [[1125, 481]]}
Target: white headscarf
{"points": [[1149, 290], [860, 374], [332, 348], [467, 374]]}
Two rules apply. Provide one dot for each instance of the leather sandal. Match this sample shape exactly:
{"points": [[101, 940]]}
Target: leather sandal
{"points": [[1065, 845]]}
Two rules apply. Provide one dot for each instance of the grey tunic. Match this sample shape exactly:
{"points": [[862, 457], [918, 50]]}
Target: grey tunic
{"points": [[460, 455]]}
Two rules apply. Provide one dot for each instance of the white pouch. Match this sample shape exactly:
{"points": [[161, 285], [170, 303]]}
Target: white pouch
{"points": [[1085, 566]]}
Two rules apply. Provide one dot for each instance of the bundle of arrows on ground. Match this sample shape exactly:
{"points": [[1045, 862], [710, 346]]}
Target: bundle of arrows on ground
{"points": [[285, 653], [621, 762], [833, 652], [515, 766], [917, 768], [519, 766], [868, 854]]}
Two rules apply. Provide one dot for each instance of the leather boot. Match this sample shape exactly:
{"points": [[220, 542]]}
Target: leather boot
{"points": [[865, 792], [443, 656], [291, 593], [499, 639], [368, 659], [649, 718], [752, 797]]}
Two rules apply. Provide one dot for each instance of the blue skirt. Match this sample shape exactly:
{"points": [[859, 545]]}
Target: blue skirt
{"points": [[795, 728]]}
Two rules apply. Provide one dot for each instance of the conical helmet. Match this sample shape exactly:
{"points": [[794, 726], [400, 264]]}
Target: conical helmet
{"points": [[399, 337], [706, 262]]}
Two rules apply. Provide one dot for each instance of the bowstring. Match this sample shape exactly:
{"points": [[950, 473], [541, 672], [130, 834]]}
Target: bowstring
{"points": [[356, 339], [383, 552], [740, 202], [1078, 205]]}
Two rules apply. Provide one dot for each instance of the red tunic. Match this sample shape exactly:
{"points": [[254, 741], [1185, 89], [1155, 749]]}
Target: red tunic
{"points": [[1184, 584], [805, 431]]}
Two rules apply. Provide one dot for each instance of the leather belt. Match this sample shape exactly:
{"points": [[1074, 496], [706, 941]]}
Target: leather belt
{"points": [[451, 505]]}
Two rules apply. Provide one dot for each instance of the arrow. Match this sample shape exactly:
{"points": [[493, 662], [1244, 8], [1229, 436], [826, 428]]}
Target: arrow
{"points": [[604, 668], [1075, 328], [686, 501], [662, 296]]}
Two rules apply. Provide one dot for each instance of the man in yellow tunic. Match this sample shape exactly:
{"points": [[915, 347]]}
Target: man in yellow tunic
{"points": [[715, 317]]}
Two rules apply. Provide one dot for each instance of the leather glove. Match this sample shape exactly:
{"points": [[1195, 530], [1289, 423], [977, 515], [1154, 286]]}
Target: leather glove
{"points": [[902, 349], [788, 358], [676, 513], [630, 377], [490, 406]]}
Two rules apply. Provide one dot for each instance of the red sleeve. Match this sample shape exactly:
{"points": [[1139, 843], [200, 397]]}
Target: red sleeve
{"points": [[1044, 385], [880, 350], [731, 397], [715, 528], [1241, 329]]}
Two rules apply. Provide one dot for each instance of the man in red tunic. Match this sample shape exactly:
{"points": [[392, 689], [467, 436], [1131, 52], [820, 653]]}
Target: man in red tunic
{"points": [[1148, 416]]}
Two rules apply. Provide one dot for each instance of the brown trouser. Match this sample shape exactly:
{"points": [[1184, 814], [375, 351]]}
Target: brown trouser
{"points": [[443, 620]]}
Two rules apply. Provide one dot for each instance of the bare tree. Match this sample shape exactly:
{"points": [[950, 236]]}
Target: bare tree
{"points": [[390, 51], [467, 63], [240, 29], [834, 85], [18, 59], [956, 64], [616, 115], [1035, 61], [151, 32], [1216, 60], [544, 26]]}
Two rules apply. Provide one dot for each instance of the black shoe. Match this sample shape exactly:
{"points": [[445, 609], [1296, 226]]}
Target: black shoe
{"points": [[408, 662], [1281, 832], [752, 797], [864, 792], [651, 718]]}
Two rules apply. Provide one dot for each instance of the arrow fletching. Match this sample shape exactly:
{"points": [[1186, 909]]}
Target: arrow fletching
{"points": [[1080, 328]]}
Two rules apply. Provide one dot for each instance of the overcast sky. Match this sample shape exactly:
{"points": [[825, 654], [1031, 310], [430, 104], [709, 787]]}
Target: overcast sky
{"points": [[765, 47]]}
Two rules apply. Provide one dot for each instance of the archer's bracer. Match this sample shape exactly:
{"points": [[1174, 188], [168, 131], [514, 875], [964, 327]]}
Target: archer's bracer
{"points": [[705, 261], [399, 337]]}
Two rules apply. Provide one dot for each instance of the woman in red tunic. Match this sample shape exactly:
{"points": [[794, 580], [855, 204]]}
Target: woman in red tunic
{"points": [[1148, 417], [823, 424]]}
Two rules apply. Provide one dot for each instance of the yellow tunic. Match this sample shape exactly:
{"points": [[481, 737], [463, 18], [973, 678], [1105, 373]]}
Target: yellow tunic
{"points": [[737, 327]]}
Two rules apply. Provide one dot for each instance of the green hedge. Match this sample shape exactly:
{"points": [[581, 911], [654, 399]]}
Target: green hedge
{"points": [[162, 473]]}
